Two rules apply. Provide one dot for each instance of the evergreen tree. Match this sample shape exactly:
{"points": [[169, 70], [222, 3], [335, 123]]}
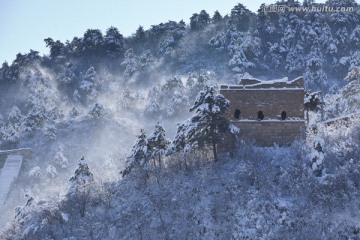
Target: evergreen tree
{"points": [[194, 22], [216, 17], [79, 187], [57, 48], [98, 111], [114, 43], [138, 156], [82, 175], [90, 84], [15, 116], [158, 143], [209, 124], [219, 41], [60, 160], [140, 34], [317, 157], [179, 144], [241, 17], [92, 43], [203, 19], [312, 102], [146, 59], [130, 62]]}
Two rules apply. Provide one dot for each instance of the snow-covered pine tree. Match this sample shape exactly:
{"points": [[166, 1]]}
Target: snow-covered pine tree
{"points": [[152, 107], [82, 175], [158, 143], [350, 93], [74, 112], [216, 18], [209, 124], [127, 99], [60, 160], [312, 102], [114, 43], [130, 62], [89, 85], [315, 76], [218, 41], [98, 111], [317, 157], [50, 172], [146, 59], [79, 186], [138, 155], [15, 117], [179, 143]]}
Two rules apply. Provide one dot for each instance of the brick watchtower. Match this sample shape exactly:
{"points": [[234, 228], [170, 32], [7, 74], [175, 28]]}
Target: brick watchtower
{"points": [[267, 111]]}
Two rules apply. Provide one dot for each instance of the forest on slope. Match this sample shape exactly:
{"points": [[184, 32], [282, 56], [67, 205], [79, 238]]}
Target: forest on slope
{"points": [[90, 95]]}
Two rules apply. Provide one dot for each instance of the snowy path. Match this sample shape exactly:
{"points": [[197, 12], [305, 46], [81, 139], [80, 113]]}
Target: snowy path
{"points": [[8, 174]]}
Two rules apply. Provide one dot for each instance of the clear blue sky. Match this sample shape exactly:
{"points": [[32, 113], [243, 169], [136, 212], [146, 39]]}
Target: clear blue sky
{"points": [[24, 24]]}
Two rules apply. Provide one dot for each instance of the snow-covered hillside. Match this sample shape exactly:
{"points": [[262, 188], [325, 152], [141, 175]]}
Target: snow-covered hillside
{"points": [[90, 96]]}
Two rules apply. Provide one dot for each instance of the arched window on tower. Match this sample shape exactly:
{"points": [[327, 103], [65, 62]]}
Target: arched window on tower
{"points": [[283, 115], [237, 113], [260, 115]]}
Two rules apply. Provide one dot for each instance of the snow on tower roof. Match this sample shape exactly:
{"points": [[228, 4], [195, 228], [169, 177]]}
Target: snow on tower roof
{"points": [[253, 83]]}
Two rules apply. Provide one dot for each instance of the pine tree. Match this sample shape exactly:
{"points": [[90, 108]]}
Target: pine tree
{"points": [[114, 43], [98, 111], [82, 175], [138, 155], [241, 17], [57, 48], [140, 34], [90, 84], [60, 160], [179, 144], [130, 62], [158, 143], [145, 59], [92, 43], [79, 186], [317, 157], [15, 117], [216, 17], [209, 124], [312, 102]]}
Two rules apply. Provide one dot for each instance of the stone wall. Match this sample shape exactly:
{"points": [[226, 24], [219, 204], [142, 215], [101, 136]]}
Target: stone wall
{"points": [[270, 101], [266, 133]]}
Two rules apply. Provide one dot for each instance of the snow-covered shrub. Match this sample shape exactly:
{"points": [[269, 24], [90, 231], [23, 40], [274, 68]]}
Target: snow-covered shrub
{"points": [[317, 157], [98, 111], [50, 171], [74, 112], [130, 62], [35, 172], [50, 132], [60, 160]]}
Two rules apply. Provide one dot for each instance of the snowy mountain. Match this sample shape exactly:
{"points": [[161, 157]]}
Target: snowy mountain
{"points": [[93, 176]]}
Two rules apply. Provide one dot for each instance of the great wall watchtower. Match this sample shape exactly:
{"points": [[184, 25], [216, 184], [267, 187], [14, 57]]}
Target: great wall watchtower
{"points": [[267, 111]]}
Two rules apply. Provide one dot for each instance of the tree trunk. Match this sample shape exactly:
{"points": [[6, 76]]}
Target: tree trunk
{"points": [[307, 115], [159, 161], [214, 150]]}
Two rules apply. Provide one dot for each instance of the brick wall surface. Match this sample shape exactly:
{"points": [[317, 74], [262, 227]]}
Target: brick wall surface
{"points": [[270, 102], [271, 97], [266, 133]]}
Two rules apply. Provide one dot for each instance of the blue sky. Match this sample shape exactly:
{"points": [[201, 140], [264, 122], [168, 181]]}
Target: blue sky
{"points": [[24, 24]]}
